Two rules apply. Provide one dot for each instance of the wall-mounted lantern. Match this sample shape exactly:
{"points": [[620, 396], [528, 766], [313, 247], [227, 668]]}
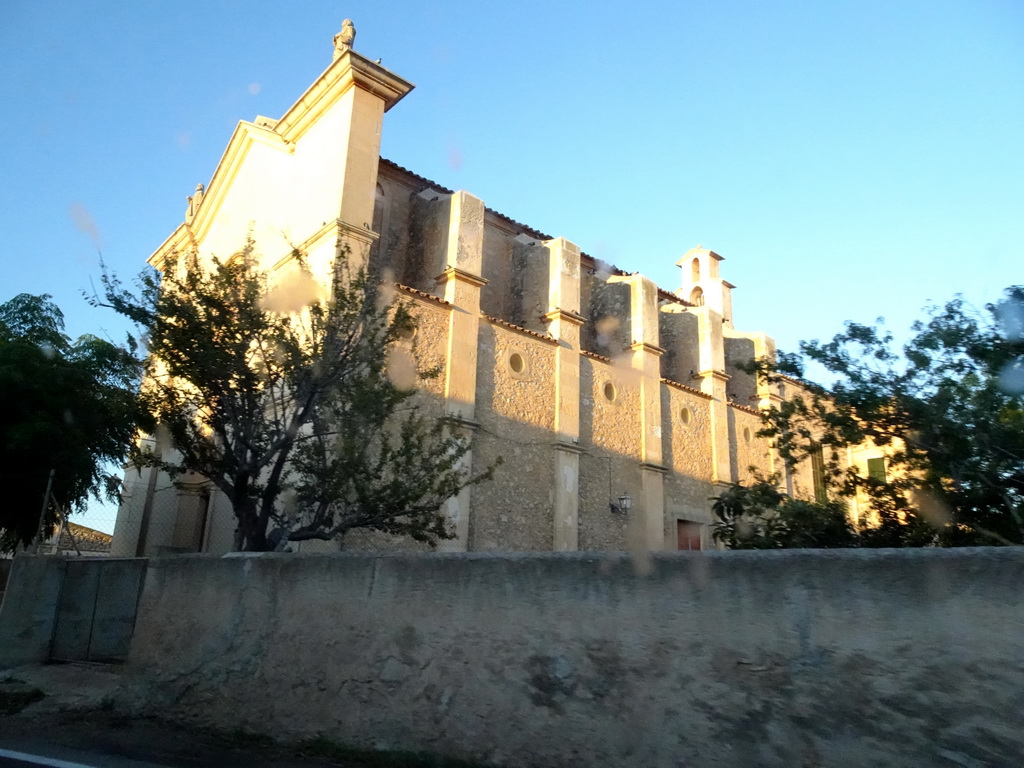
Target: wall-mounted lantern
{"points": [[624, 505]]}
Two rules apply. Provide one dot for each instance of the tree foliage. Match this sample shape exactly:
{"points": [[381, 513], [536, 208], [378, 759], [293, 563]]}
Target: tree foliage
{"points": [[292, 404], [760, 516], [64, 406], [946, 409]]}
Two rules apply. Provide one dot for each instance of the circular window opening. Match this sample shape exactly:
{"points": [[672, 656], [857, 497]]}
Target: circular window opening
{"points": [[746, 434], [407, 332], [516, 363], [685, 415], [609, 391]]}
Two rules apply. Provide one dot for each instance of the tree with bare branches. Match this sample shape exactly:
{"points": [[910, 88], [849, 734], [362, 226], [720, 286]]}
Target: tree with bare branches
{"points": [[287, 400]]}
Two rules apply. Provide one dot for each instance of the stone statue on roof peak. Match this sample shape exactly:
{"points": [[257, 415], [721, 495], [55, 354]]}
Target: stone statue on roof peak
{"points": [[344, 40]]}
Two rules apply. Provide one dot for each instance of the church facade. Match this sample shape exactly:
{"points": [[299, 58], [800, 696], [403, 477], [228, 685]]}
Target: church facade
{"points": [[618, 407]]}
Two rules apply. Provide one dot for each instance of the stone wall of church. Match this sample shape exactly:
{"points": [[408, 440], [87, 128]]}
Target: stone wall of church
{"points": [[515, 411], [590, 384], [688, 488]]}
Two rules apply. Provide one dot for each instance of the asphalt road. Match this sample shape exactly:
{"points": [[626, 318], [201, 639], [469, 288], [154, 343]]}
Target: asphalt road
{"points": [[14, 759]]}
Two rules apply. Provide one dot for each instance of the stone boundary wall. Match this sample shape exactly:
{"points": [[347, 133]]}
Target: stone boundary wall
{"points": [[5, 571], [796, 658]]}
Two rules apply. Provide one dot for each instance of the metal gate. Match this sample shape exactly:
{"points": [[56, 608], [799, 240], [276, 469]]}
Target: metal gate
{"points": [[96, 611]]}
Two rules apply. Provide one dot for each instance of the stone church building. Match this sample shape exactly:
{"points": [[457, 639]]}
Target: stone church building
{"points": [[616, 405]]}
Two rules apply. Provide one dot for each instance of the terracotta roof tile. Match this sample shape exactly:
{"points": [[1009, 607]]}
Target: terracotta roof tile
{"points": [[520, 329], [602, 358], [422, 294], [687, 388], [434, 185], [746, 408], [427, 182], [527, 229]]}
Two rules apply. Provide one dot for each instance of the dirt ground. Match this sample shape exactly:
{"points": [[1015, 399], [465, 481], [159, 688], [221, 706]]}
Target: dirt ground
{"points": [[85, 736], [65, 712]]}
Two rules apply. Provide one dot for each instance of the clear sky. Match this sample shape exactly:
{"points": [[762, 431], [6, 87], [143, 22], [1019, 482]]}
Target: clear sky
{"points": [[849, 159]]}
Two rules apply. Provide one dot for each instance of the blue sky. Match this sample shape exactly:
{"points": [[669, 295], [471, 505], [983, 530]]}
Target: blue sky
{"points": [[849, 159]]}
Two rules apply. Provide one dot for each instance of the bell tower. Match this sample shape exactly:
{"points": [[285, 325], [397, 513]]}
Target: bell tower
{"points": [[702, 284]]}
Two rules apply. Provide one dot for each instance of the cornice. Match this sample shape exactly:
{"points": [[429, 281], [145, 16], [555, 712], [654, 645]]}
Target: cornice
{"points": [[713, 374], [466, 423], [643, 346], [246, 135], [171, 245], [329, 228], [565, 315], [368, 236], [454, 273], [575, 448], [346, 72], [653, 467]]}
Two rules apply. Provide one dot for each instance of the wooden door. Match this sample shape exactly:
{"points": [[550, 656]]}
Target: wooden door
{"points": [[688, 535]]}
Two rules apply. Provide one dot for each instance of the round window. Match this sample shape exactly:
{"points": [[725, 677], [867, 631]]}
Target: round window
{"points": [[609, 391], [746, 434], [685, 415], [407, 332], [516, 362]]}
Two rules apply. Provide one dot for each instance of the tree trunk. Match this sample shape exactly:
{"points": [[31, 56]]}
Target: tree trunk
{"points": [[253, 535], [256, 542]]}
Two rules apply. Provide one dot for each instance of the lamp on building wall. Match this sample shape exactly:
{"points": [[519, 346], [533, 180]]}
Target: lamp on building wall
{"points": [[624, 505]]}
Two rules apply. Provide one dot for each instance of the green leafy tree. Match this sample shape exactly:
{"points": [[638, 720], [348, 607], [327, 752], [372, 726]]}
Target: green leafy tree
{"points": [[947, 409], [301, 409], [760, 516], [64, 406]]}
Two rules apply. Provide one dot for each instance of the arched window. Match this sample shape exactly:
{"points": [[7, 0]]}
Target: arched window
{"points": [[697, 297], [695, 270]]}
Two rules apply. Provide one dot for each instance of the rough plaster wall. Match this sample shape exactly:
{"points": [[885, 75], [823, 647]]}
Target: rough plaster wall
{"points": [[587, 282], [608, 312], [744, 453], [677, 332], [391, 252], [430, 343], [610, 437], [428, 347], [687, 455], [221, 525], [802, 475], [898, 658], [499, 297], [129, 513], [162, 515], [742, 386], [803, 481], [427, 238], [513, 511], [532, 286]]}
